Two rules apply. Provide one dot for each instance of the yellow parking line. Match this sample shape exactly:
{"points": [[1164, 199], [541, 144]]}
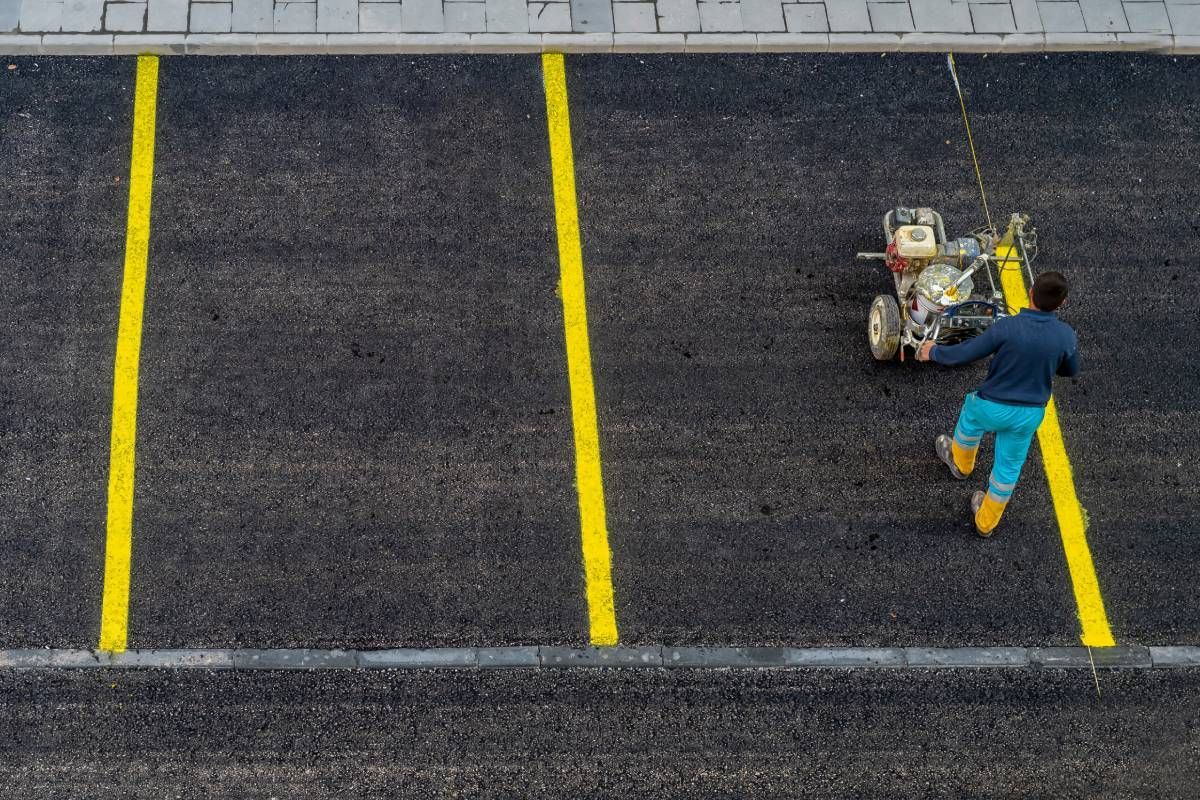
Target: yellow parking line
{"points": [[118, 549], [1071, 527], [597, 558]]}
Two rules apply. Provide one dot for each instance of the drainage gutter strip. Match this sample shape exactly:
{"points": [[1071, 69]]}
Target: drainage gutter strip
{"points": [[548, 657]]}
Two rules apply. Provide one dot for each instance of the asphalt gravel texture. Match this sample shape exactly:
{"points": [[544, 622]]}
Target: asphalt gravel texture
{"points": [[354, 423], [768, 482], [632, 734], [64, 138], [1103, 151]]}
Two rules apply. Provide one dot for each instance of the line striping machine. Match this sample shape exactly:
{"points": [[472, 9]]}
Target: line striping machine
{"points": [[941, 295]]}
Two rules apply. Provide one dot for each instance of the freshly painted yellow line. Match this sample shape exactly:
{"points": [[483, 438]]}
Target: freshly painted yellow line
{"points": [[118, 549], [597, 558], [1092, 618]]}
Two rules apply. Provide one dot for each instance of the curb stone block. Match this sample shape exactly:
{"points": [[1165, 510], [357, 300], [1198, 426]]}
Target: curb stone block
{"points": [[417, 658], [362, 43], [864, 42], [1079, 657], [648, 43], [577, 42], [720, 42], [508, 657], [966, 657], [294, 659], [793, 43], [58, 659], [291, 43], [950, 42], [173, 659], [1060, 42], [1129, 656], [1023, 42], [167, 44], [725, 656], [506, 43], [1186, 46], [77, 44], [221, 44], [417, 43], [1175, 656], [20, 44], [683, 657], [847, 657], [601, 656], [1148, 42]]}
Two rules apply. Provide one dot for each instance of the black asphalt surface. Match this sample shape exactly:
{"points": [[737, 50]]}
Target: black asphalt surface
{"points": [[355, 424], [637, 734], [768, 481], [354, 417], [64, 139], [1104, 150]]}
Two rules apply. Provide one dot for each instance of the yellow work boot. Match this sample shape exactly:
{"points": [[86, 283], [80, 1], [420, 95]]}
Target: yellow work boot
{"points": [[987, 513], [959, 459]]}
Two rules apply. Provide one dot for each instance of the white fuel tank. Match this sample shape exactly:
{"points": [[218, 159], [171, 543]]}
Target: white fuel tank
{"points": [[916, 241]]}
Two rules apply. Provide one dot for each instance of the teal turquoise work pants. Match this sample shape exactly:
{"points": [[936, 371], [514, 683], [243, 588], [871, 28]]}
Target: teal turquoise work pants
{"points": [[1014, 427]]}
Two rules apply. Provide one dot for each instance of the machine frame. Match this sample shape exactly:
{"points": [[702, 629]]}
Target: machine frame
{"points": [[890, 325]]}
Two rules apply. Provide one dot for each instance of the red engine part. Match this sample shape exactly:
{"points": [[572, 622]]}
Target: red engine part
{"points": [[895, 262]]}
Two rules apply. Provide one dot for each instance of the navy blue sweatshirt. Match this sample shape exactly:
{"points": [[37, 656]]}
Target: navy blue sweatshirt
{"points": [[1030, 349]]}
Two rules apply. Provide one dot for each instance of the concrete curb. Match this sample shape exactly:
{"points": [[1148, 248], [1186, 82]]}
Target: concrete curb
{"points": [[553, 657], [508, 43]]}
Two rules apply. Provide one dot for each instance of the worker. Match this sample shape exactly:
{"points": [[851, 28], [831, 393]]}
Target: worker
{"points": [[1028, 350]]}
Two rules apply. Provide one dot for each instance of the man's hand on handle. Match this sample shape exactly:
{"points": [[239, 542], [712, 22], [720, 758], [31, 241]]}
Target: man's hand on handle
{"points": [[923, 352]]}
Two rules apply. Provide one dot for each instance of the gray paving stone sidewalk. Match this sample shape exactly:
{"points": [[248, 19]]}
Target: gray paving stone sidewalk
{"points": [[516, 25]]}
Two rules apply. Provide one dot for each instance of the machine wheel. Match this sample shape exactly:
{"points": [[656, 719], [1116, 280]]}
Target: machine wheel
{"points": [[883, 327]]}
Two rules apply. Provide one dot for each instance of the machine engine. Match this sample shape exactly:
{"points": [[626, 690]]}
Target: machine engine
{"points": [[918, 239], [918, 242]]}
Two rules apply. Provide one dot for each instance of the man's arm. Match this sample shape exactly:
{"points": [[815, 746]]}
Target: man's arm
{"points": [[1069, 366], [974, 349]]}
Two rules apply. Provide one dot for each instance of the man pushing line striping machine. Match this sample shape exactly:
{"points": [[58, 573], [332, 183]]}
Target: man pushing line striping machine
{"points": [[938, 312]]}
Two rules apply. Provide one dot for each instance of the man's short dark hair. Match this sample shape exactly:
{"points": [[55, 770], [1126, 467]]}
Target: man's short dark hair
{"points": [[1049, 291]]}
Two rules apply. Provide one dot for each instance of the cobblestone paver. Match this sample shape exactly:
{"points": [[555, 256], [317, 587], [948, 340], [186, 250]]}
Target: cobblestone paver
{"points": [[1167, 25], [1180, 17]]}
